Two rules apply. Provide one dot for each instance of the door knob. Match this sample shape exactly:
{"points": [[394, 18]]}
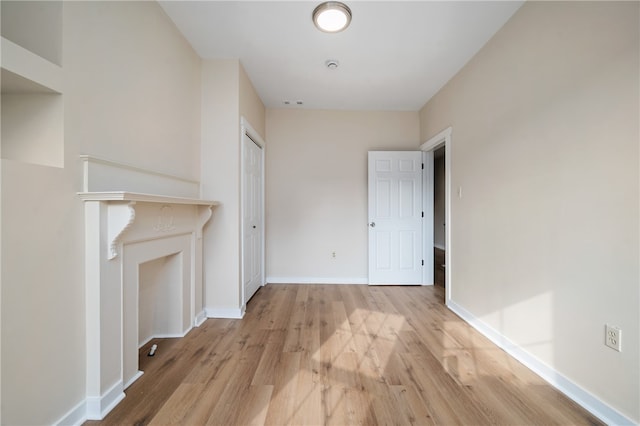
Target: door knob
{"points": [[372, 224]]}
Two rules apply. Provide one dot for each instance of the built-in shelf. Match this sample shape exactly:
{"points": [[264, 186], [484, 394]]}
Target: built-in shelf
{"points": [[107, 176], [143, 198], [32, 82], [35, 25], [26, 72]]}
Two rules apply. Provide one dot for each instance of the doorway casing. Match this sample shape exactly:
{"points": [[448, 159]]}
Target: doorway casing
{"points": [[443, 139]]}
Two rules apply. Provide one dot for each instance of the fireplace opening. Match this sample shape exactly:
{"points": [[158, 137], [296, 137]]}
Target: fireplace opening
{"points": [[160, 298], [157, 295]]}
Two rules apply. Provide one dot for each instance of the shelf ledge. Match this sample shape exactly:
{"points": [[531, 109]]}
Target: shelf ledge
{"points": [[143, 198], [29, 66]]}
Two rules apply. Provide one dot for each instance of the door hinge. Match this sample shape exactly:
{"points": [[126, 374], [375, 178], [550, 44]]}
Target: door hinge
{"points": [[422, 262], [422, 166], [422, 214]]}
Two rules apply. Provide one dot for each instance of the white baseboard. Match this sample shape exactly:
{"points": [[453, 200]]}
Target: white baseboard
{"points": [[587, 400], [76, 416], [200, 318], [315, 280], [98, 407], [164, 336], [133, 379], [231, 313]]}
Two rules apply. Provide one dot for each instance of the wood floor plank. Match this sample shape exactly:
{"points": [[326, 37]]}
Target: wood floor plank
{"points": [[408, 397], [178, 405], [270, 361], [409, 413], [284, 400], [440, 404], [295, 326], [207, 400], [256, 403], [225, 411], [308, 409], [342, 332], [339, 355], [355, 407]]}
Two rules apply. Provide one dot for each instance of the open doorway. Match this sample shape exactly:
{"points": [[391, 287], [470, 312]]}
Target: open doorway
{"points": [[441, 234], [439, 222]]}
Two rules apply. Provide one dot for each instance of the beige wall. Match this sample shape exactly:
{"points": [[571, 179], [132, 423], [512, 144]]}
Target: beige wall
{"points": [[251, 106], [545, 148], [221, 182], [316, 189], [135, 87], [227, 94], [131, 94]]}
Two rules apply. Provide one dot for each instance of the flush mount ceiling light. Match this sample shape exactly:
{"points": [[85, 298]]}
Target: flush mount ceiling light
{"points": [[332, 16]]}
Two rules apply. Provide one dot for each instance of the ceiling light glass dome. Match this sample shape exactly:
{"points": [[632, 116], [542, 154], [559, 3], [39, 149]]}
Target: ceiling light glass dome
{"points": [[332, 16]]}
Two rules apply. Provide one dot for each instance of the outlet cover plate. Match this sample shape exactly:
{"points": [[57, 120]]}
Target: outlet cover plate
{"points": [[613, 337]]}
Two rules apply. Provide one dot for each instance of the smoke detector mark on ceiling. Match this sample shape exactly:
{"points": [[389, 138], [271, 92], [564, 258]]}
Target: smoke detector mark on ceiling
{"points": [[332, 64]]}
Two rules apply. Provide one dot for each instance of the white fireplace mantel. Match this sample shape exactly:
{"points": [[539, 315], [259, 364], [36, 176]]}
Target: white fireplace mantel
{"points": [[122, 215], [125, 229]]}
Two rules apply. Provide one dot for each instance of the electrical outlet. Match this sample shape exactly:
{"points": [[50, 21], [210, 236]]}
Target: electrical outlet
{"points": [[613, 337], [333, 254]]}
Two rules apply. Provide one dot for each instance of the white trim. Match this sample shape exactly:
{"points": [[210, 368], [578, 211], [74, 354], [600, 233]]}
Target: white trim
{"points": [[587, 400], [140, 345], [317, 280], [201, 318], [444, 137], [98, 407], [146, 198], [97, 160], [133, 379], [164, 336], [428, 274], [437, 140], [101, 175], [76, 416], [249, 130], [231, 313]]}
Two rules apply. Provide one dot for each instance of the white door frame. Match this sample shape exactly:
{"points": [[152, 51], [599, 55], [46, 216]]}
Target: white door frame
{"points": [[444, 138], [247, 129], [428, 213]]}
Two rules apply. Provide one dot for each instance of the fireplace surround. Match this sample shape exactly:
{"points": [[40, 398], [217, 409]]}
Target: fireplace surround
{"points": [[125, 229]]}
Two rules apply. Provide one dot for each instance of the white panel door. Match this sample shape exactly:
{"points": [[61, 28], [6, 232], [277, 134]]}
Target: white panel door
{"points": [[252, 217], [395, 217]]}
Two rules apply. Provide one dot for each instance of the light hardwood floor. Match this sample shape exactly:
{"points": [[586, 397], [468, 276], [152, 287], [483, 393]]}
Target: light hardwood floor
{"points": [[341, 355]]}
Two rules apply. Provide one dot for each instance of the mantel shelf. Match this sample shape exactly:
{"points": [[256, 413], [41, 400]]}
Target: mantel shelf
{"points": [[146, 198]]}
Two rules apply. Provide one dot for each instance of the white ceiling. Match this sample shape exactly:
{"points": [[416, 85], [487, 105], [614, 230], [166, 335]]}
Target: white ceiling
{"points": [[395, 55]]}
